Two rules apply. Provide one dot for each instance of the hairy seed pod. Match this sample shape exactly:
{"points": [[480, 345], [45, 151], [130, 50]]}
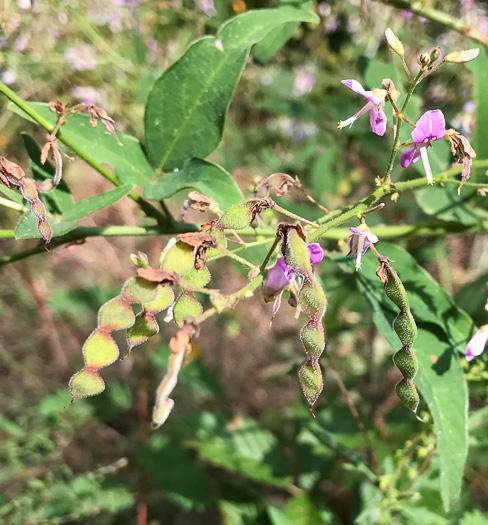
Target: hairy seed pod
{"points": [[408, 395], [406, 330], [311, 299], [241, 214], [406, 361]]}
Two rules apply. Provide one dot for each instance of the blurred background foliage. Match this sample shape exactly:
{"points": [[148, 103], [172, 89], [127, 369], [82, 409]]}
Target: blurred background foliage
{"points": [[240, 447]]}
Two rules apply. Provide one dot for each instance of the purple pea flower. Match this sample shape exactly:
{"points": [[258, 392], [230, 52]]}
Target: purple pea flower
{"points": [[361, 240], [477, 343], [430, 126], [374, 106], [281, 275]]}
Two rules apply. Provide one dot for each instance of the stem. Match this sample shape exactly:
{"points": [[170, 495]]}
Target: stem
{"points": [[439, 17], [13, 205], [396, 140], [279, 209], [148, 208]]}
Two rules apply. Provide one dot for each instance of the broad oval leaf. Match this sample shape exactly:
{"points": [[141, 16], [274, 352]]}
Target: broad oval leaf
{"points": [[443, 329], [244, 30], [209, 179], [186, 109]]}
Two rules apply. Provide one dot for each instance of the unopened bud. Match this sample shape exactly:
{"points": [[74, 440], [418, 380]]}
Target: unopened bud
{"points": [[424, 59], [394, 43], [140, 260], [435, 54], [460, 57]]}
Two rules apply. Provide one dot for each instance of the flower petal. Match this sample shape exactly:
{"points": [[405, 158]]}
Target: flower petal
{"points": [[316, 252], [358, 88], [409, 156], [477, 344], [278, 278], [430, 126], [377, 119]]}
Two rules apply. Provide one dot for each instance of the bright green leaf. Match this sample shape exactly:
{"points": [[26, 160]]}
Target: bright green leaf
{"points": [[209, 179], [245, 30], [186, 109]]}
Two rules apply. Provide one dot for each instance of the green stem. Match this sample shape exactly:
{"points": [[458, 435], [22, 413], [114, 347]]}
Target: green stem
{"points": [[7, 203], [396, 141], [455, 24], [148, 208]]}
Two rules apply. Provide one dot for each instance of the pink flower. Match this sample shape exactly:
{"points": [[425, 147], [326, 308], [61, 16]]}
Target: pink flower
{"points": [[281, 275], [430, 126], [361, 240], [477, 344], [374, 106]]}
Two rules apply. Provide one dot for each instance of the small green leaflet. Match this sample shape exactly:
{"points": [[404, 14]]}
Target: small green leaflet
{"points": [[27, 226]]}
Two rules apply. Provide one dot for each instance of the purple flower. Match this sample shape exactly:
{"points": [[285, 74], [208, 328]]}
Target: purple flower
{"points": [[430, 126], [281, 275], [374, 106], [361, 240], [477, 343], [81, 58]]}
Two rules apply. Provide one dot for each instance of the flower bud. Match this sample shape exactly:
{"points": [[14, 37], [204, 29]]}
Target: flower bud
{"points": [[435, 54], [394, 43], [423, 59], [460, 57]]}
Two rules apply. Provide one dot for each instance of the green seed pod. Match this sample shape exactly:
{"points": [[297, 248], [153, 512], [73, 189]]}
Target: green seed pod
{"points": [[408, 395], [405, 328], [311, 381], [312, 336], [186, 306], [180, 258], [241, 214], [312, 298], [394, 288], [406, 361], [296, 252]]}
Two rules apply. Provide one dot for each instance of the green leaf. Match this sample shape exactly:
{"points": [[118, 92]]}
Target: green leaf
{"points": [[209, 179], [278, 517], [181, 477], [442, 329], [95, 203], [186, 109], [27, 226], [244, 30], [273, 41], [129, 162], [480, 70]]}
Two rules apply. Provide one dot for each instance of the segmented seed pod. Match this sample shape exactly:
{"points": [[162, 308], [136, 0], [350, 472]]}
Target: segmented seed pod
{"points": [[311, 299], [406, 330]]}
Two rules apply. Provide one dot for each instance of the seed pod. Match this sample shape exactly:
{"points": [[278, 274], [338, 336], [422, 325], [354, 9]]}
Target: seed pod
{"points": [[311, 299], [408, 395], [406, 361], [241, 214], [406, 330]]}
